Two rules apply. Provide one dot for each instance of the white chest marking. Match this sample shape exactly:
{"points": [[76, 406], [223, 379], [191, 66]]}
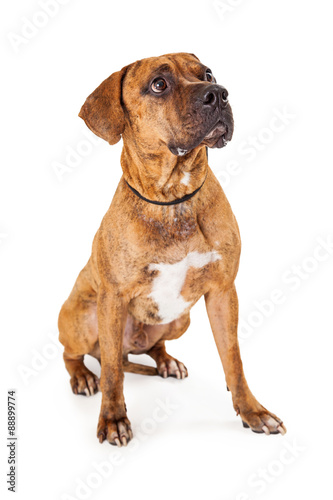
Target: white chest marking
{"points": [[181, 152], [167, 286], [186, 178]]}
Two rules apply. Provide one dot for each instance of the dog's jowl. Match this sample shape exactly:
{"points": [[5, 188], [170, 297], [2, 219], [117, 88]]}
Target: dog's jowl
{"points": [[168, 238]]}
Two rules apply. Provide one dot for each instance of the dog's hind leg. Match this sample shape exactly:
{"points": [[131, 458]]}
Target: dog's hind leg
{"points": [[168, 366], [82, 380], [130, 367], [78, 334]]}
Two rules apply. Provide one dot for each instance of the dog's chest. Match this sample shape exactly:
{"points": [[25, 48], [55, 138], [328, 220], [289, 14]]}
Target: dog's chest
{"points": [[174, 287]]}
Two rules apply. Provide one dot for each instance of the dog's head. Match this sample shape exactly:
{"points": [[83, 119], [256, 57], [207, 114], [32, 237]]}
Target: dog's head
{"points": [[170, 101]]}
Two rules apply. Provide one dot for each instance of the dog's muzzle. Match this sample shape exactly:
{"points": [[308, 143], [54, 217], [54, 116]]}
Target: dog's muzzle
{"points": [[215, 105], [213, 118]]}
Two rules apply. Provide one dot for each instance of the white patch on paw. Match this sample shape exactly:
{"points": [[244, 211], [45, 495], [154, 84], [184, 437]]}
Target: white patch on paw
{"points": [[186, 178], [167, 286]]}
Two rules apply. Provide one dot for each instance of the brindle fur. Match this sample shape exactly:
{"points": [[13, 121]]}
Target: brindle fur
{"points": [[109, 312]]}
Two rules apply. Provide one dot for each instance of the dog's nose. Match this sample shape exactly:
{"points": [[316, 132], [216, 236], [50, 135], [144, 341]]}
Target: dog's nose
{"points": [[214, 95]]}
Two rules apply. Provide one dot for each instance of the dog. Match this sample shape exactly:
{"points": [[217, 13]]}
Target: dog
{"points": [[168, 238]]}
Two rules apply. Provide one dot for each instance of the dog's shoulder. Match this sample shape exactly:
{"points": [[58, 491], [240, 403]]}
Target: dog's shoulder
{"points": [[215, 216]]}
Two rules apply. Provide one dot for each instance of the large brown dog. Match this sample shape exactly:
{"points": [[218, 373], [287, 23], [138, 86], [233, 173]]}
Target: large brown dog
{"points": [[168, 238]]}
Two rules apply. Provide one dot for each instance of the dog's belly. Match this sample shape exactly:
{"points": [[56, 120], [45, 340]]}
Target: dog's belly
{"points": [[140, 338], [174, 289]]}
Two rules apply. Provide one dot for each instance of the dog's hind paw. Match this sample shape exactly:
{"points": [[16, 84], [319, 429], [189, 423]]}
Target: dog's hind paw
{"points": [[171, 367], [84, 382]]}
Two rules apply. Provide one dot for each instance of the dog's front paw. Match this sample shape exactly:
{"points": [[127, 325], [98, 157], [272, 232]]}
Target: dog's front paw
{"points": [[117, 432], [260, 420]]}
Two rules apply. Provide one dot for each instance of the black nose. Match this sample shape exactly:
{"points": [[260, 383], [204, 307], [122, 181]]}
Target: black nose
{"points": [[214, 95]]}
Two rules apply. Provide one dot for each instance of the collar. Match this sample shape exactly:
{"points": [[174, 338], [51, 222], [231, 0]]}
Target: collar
{"points": [[173, 202]]}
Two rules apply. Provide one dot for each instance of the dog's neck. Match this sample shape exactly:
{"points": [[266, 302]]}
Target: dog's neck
{"points": [[162, 176]]}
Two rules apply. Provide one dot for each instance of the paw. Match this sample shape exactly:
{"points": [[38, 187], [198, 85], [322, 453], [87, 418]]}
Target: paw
{"points": [[262, 421], [171, 367], [117, 432], [84, 382]]}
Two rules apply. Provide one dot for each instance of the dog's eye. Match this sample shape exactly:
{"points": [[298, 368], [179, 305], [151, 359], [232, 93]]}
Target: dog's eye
{"points": [[158, 85], [209, 75]]}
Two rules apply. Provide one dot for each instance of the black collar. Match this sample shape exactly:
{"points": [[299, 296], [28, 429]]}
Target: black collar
{"points": [[173, 202]]}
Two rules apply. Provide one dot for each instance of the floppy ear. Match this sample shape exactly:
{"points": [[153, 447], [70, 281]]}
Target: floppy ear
{"points": [[103, 112]]}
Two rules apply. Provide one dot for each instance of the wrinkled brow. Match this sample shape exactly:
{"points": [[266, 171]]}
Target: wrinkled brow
{"points": [[197, 69], [163, 68]]}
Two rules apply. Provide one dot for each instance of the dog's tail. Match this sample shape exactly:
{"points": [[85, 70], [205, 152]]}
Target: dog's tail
{"points": [[130, 367]]}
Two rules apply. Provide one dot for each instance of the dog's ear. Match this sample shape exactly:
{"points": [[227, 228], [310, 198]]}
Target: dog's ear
{"points": [[103, 112]]}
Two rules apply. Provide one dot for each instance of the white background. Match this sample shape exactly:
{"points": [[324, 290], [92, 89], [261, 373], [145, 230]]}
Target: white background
{"points": [[271, 56]]}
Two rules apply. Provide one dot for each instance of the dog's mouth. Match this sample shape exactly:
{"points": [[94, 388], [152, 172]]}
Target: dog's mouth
{"points": [[218, 137]]}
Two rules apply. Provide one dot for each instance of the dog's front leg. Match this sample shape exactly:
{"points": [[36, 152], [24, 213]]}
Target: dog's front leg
{"points": [[222, 309], [113, 424]]}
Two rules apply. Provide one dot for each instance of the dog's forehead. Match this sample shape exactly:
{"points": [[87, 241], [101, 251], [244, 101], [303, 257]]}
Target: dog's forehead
{"points": [[173, 63]]}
